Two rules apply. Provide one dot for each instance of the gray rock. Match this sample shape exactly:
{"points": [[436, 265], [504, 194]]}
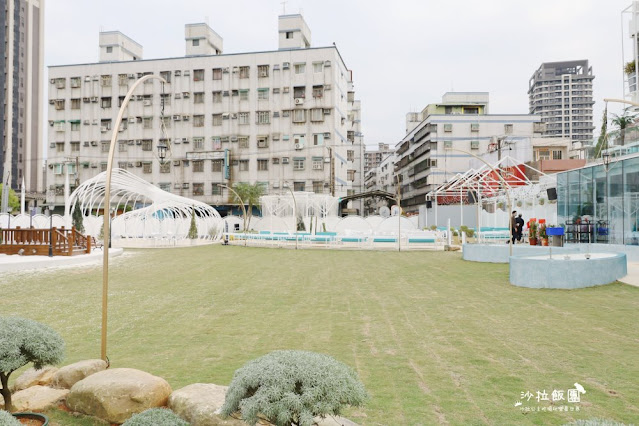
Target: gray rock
{"points": [[116, 394], [37, 398], [33, 377], [198, 404], [69, 375]]}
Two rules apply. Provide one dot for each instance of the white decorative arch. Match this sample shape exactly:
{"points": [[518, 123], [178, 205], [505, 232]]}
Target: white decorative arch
{"points": [[155, 213]]}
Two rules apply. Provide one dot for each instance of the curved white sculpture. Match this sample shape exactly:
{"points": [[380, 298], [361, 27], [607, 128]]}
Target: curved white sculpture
{"points": [[156, 214]]}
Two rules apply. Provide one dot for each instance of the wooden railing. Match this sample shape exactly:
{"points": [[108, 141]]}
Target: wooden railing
{"points": [[32, 241]]}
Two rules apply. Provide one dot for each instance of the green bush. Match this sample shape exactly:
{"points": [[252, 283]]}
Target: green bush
{"points": [[6, 419], [23, 341], [433, 227], [595, 422], [292, 387], [156, 417]]}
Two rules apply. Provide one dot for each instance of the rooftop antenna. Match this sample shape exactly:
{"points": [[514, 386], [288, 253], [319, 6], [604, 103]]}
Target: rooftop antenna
{"points": [[283, 3]]}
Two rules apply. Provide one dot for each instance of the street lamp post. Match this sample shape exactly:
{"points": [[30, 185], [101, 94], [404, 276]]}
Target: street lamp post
{"points": [[288, 185], [241, 204], [506, 186], [50, 232], [107, 204]]}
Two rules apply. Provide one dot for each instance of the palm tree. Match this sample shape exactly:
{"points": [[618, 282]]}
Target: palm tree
{"points": [[623, 121], [250, 195], [603, 139]]}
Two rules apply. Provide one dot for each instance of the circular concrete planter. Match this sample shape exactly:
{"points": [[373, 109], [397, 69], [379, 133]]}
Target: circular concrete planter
{"points": [[567, 271], [33, 416]]}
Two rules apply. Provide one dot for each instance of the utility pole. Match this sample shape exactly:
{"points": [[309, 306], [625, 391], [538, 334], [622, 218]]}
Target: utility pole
{"points": [[332, 171]]}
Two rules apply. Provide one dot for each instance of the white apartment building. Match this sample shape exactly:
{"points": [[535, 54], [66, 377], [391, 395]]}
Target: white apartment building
{"points": [[283, 117], [439, 145], [380, 178], [372, 157]]}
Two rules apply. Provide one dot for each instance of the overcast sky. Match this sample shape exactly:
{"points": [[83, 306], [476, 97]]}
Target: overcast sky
{"points": [[404, 53]]}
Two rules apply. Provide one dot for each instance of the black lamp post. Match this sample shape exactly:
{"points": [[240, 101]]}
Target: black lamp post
{"points": [[606, 160], [162, 152], [50, 232]]}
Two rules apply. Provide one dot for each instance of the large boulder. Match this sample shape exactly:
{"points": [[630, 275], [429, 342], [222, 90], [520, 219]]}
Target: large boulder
{"points": [[334, 421], [198, 403], [116, 394], [33, 377], [37, 398], [69, 375]]}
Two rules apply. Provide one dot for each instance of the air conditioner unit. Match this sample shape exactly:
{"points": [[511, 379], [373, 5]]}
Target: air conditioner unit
{"points": [[130, 76], [86, 143], [138, 164], [177, 73], [327, 159], [130, 165], [327, 87], [94, 165], [177, 141], [262, 144], [51, 102], [276, 67], [185, 140], [327, 111], [187, 73], [186, 95], [185, 117], [299, 146], [131, 142], [276, 185], [87, 78], [86, 100], [131, 119], [95, 78], [299, 101], [138, 97], [86, 122], [225, 70], [327, 63], [138, 142], [233, 138], [176, 163], [285, 89], [225, 116], [233, 116], [94, 99], [177, 117], [147, 102], [327, 135], [52, 81], [104, 129], [178, 96], [95, 121], [177, 186], [94, 143], [52, 145], [286, 65], [284, 160]]}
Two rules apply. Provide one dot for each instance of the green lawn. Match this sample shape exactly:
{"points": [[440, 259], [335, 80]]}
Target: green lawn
{"points": [[434, 339]]}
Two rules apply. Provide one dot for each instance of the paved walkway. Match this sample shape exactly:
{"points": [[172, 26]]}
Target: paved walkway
{"points": [[633, 274], [16, 263]]}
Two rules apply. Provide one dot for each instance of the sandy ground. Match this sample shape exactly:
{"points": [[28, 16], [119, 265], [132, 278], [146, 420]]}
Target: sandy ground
{"points": [[15, 263]]}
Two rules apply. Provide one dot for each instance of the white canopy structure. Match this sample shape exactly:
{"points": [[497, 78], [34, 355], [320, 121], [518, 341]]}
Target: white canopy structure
{"points": [[156, 214]]}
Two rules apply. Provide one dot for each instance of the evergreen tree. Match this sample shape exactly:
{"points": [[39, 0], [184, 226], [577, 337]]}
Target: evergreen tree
{"points": [[193, 228], [78, 219]]}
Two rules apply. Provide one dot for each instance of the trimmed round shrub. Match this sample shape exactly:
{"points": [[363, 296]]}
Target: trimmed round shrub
{"points": [[6, 419], [23, 341], [292, 387], [156, 417]]}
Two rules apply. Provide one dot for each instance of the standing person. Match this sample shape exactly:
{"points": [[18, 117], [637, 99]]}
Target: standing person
{"points": [[513, 226], [520, 227]]}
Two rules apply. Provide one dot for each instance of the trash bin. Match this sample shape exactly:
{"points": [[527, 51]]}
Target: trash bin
{"points": [[557, 236]]}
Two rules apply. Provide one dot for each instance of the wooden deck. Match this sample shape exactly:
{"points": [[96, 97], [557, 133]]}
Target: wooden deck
{"points": [[36, 242]]}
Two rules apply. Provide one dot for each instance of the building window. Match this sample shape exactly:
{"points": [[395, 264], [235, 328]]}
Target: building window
{"points": [[109, 49], [105, 102], [262, 70], [165, 186], [217, 97], [317, 114], [198, 165], [198, 75], [198, 189], [262, 94], [147, 122], [198, 143], [166, 75], [289, 34], [350, 135], [59, 104], [263, 117], [104, 147], [318, 187], [298, 186], [75, 126], [215, 189], [217, 120], [244, 165], [556, 155], [105, 124], [245, 72], [243, 142], [198, 97], [217, 73], [75, 147], [350, 155], [244, 95], [244, 117], [300, 68], [262, 165], [299, 92], [122, 146], [198, 121], [350, 175], [318, 139], [165, 168], [298, 164], [318, 164], [76, 82], [196, 42], [262, 141], [147, 145], [217, 143], [299, 116], [147, 167], [105, 81], [508, 129], [318, 67], [318, 91], [59, 147], [216, 166], [75, 103]]}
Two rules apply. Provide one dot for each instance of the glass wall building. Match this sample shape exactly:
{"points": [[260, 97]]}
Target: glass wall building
{"points": [[600, 204]]}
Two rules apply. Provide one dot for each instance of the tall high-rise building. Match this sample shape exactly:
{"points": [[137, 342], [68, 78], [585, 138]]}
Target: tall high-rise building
{"points": [[561, 93], [21, 47], [372, 158], [282, 118]]}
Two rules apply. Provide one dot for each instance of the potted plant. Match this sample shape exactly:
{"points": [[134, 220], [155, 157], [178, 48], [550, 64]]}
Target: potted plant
{"points": [[629, 67], [543, 235], [532, 232]]}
